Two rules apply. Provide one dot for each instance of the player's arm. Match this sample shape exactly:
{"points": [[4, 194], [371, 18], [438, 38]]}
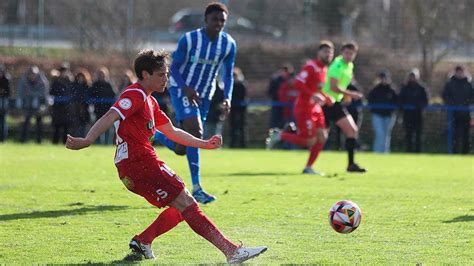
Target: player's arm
{"points": [[179, 57], [321, 98], [182, 137], [334, 82], [102, 125], [228, 78]]}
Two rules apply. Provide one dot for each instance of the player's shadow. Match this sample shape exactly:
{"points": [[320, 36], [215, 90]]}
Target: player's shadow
{"points": [[59, 213], [462, 218], [259, 174]]}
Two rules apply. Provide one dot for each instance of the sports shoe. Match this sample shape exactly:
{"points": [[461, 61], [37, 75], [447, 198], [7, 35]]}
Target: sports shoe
{"points": [[311, 171], [290, 127], [202, 197], [243, 254], [140, 248], [354, 168], [274, 136]]}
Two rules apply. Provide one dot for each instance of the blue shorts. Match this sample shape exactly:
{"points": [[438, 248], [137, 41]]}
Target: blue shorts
{"points": [[184, 109]]}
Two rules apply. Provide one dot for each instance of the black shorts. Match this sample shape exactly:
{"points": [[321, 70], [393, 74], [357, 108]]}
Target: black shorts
{"points": [[334, 113]]}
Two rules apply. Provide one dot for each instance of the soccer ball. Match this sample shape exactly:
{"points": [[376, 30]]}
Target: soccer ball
{"points": [[344, 216]]}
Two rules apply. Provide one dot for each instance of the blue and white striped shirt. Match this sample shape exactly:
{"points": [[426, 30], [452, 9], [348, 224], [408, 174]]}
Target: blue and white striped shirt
{"points": [[197, 60]]}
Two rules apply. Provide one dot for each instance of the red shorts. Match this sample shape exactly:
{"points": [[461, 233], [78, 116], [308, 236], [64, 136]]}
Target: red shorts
{"points": [[151, 179], [308, 121]]}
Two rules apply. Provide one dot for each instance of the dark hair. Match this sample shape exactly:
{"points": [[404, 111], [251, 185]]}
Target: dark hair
{"points": [[325, 44], [215, 6], [288, 68], [350, 45], [459, 68], [150, 60]]}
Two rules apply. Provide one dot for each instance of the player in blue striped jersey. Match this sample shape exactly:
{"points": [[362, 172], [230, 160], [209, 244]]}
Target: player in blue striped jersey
{"points": [[200, 56]]}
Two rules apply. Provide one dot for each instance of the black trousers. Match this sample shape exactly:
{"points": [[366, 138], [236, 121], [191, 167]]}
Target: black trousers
{"points": [[237, 128], [26, 126], [461, 126], [60, 132], [413, 123], [3, 126]]}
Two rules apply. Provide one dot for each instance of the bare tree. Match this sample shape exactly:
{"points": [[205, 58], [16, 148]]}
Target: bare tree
{"points": [[435, 20]]}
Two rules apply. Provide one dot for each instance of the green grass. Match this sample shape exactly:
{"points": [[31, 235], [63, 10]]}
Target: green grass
{"points": [[60, 206]]}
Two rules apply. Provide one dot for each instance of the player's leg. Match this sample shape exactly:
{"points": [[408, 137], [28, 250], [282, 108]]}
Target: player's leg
{"points": [[193, 124], [304, 137], [350, 129], [203, 226], [298, 139], [159, 185], [166, 221], [322, 135], [319, 125]]}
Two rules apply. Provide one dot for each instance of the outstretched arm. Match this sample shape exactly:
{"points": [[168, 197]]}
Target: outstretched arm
{"points": [[104, 123], [182, 137]]}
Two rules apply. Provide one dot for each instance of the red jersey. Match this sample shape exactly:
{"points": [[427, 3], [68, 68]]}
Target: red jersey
{"points": [[309, 81], [139, 116]]}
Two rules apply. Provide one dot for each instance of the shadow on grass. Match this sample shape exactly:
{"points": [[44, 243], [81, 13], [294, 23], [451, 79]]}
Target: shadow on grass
{"points": [[59, 213], [259, 174], [463, 218], [327, 175]]}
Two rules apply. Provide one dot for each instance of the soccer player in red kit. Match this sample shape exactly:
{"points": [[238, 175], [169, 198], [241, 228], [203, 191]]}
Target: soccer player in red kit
{"points": [[136, 116], [311, 127]]}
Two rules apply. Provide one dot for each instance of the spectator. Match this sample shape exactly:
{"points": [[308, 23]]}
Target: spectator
{"points": [[80, 107], [384, 99], [127, 79], [103, 97], [4, 95], [413, 100], [283, 75], [459, 92], [287, 95], [61, 89], [238, 111], [32, 93], [214, 124]]}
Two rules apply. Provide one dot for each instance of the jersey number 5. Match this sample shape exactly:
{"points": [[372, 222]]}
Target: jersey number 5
{"points": [[161, 194]]}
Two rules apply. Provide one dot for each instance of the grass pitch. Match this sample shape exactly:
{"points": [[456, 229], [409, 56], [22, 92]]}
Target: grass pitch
{"points": [[61, 206]]}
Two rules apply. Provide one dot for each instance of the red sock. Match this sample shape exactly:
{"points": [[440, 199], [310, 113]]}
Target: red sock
{"points": [[294, 139], [204, 227], [166, 221], [314, 152]]}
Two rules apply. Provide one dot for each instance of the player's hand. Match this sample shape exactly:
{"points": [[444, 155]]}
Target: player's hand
{"points": [[319, 99], [193, 96], [73, 143], [346, 100], [225, 106], [357, 95], [214, 142]]}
